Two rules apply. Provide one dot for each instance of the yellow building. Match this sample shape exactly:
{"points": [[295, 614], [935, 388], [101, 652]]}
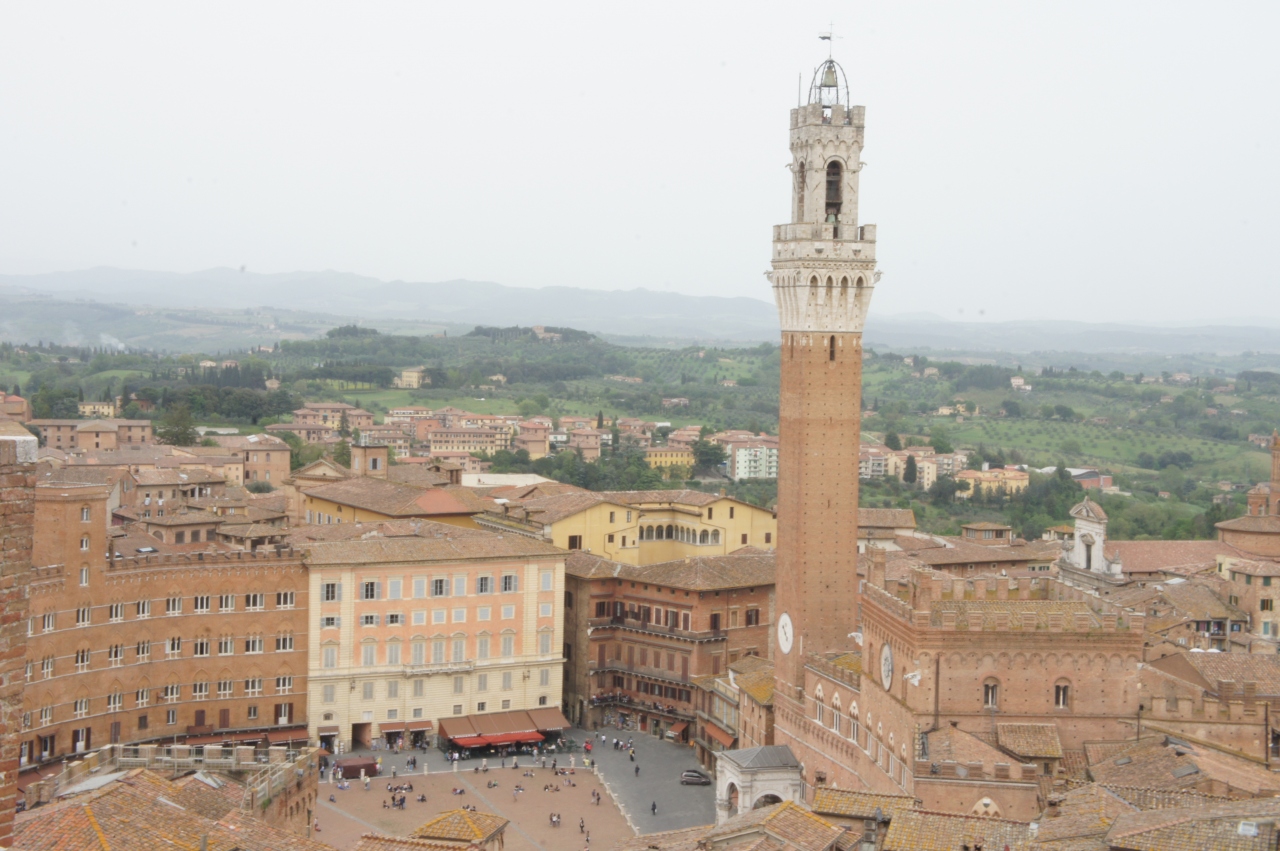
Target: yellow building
{"points": [[669, 458], [94, 410], [412, 378], [990, 481], [363, 499], [638, 527]]}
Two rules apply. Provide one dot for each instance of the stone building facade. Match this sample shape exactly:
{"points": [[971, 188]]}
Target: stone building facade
{"points": [[17, 521]]}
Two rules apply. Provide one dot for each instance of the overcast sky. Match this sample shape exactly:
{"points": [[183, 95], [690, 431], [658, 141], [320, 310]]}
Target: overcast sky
{"points": [[1111, 161]]}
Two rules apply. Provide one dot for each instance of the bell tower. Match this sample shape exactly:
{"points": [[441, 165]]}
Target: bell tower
{"points": [[824, 269]]}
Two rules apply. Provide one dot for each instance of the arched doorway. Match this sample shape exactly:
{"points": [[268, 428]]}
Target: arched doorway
{"points": [[732, 797], [766, 801]]}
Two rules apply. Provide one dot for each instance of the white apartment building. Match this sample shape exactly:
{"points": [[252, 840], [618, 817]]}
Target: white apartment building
{"points": [[752, 459]]}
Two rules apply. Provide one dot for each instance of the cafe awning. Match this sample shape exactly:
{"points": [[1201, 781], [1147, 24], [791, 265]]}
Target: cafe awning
{"points": [[470, 741], [678, 728], [719, 735], [392, 727], [458, 728], [513, 738], [419, 726], [548, 718]]}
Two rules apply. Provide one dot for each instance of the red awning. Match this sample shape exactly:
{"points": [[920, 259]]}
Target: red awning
{"points": [[719, 735], [471, 742], [293, 735], [392, 727], [418, 726], [549, 718], [678, 728], [512, 738]]}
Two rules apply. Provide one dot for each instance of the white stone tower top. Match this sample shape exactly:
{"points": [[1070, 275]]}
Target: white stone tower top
{"points": [[824, 261]]}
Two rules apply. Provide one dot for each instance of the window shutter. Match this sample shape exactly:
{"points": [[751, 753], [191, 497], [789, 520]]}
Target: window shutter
{"points": [[377, 590], [338, 621], [339, 584]]}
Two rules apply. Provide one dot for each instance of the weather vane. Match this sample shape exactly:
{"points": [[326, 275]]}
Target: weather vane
{"points": [[829, 37]]}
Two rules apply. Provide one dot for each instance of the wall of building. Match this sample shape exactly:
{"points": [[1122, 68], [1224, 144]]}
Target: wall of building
{"points": [[17, 510]]}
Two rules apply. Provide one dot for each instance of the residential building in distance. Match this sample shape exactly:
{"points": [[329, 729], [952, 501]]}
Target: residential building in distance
{"points": [[14, 407], [466, 439], [637, 527], [396, 437], [93, 434], [638, 638], [444, 623], [753, 458], [363, 499], [412, 378], [532, 437], [332, 414], [670, 458], [675, 402], [266, 457], [98, 410], [1009, 480], [586, 442]]}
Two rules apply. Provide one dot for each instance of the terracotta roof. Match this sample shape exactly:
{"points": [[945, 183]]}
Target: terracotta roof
{"points": [[1084, 816], [184, 517], [1030, 740], [685, 839], [1168, 763], [1088, 510], [1239, 668], [951, 744], [451, 548], [381, 842], [1155, 556], [758, 685], [849, 661], [1159, 799], [1235, 826], [920, 830], [415, 474], [301, 535], [250, 441], [462, 826], [1268, 524], [960, 551], [665, 497], [393, 499], [180, 477], [829, 801]]}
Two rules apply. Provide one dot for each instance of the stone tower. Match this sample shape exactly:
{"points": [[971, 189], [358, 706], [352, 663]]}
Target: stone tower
{"points": [[824, 268]]}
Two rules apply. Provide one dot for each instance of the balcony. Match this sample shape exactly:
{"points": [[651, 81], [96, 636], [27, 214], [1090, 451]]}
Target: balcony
{"points": [[625, 701], [617, 666], [649, 628]]}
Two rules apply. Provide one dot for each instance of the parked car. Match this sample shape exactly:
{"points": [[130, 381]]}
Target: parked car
{"points": [[694, 778]]}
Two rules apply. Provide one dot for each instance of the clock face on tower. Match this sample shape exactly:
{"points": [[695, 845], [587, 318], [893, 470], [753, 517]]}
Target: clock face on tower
{"points": [[786, 633], [886, 666]]}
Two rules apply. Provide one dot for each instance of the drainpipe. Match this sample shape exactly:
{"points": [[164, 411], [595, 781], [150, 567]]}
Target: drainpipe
{"points": [[937, 687]]}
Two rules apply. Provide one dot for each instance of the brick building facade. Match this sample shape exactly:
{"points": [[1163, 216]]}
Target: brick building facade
{"points": [[17, 510]]}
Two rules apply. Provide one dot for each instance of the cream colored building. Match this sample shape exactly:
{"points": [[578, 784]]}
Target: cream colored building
{"points": [[405, 632]]}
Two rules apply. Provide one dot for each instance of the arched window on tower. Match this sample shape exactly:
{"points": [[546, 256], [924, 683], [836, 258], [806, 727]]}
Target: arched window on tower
{"points": [[991, 693], [835, 195]]}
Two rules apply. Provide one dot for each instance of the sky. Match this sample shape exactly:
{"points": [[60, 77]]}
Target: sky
{"points": [[1097, 161]]}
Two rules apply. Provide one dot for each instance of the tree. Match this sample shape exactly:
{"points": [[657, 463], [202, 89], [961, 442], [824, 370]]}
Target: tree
{"points": [[707, 455], [892, 440], [344, 427], [909, 472], [259, 486], [342, 453], [177, 428], [1011, 408], [600, 420]]}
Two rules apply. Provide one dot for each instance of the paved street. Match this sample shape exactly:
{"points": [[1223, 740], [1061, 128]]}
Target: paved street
{"points": [[660, 765]]}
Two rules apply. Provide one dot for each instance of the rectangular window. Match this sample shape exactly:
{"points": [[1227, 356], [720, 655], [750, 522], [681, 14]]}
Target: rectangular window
{"points": [[284, 685], [544, 643], [544, 677], [329, 592], [419, 690], [115, 612], [439, 616], [508, 646], [142, 651], [115, 701], [144, 608], [224, 689], [252, 713], [329, 657], [393, 689], [395, 619], [1266, 605], [369, 619], [753, 617], [226, 602], [173, 647], [508, 612], [419, 652], [285, 599], [173, 606], [200, 603], [329, 622], [171, 693], [226, 645], [506, 681], [284, 643], [328, 694], [142, 697], [253, 687], [459, 586], [439, 587], [575, 542], [366, 691], [459, 615], [509, 583], [369, 655], [255, 602], [481, 706], [253, 644], [548, 580], [459, 650], [484, 584], [394, 587], [393, 653], [458, 684], [368, 590], [200, 647], [82, 616], [115, 655], [82, 659], [482, 647], [81, 707], [482, 682], [199, 691], [544, 610], [437, 651]]}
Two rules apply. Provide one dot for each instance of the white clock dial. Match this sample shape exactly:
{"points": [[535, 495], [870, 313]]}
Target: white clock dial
{"points": [[786, 633], [886, 666]]}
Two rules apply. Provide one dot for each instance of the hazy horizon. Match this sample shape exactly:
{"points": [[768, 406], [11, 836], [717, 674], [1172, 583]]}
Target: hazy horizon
{"points": [[1094, 162]]}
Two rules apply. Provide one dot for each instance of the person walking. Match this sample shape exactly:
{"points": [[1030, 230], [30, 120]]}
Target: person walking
{"points": [[637, 771], [582, 825], [653, 808]]}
